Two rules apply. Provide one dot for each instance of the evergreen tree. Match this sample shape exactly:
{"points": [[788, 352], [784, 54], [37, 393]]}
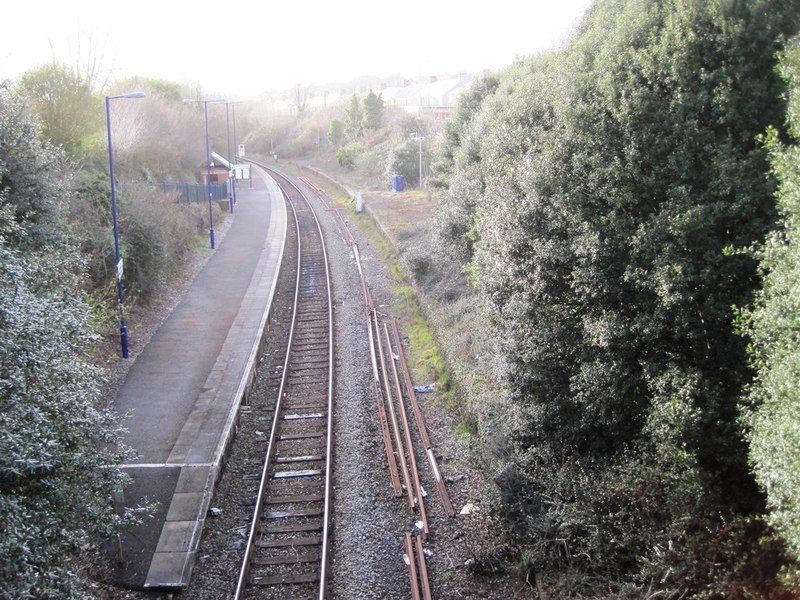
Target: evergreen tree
{"points": [[335, 132], [354, 119], [58, 449], [600, 186], [373, 110], [773, 323]]}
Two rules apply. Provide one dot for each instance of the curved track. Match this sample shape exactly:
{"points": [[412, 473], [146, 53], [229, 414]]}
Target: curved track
{"points": [[287, 548]]}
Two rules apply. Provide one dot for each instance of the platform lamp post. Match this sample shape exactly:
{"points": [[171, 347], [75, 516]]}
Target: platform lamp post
{"points": [[123, 329], [228, 140], [208, 165], [419, 138]]}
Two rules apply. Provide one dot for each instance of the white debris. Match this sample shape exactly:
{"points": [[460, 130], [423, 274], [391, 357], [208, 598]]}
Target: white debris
{"points": [[215, 512], [468, 509]]}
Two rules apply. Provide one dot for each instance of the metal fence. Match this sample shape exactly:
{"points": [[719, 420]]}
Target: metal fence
{"points": [[195, 192]]}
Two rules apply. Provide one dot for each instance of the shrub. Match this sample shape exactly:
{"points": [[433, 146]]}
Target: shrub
{"points": [[348, 155], [59, 447], [156, 236], [773, 323]]}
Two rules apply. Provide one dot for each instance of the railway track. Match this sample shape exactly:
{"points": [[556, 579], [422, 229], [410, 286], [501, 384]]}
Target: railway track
{"points": [[286, 554]]}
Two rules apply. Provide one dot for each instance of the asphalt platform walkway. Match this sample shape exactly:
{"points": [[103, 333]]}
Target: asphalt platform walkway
{"points": [[183, 392]]}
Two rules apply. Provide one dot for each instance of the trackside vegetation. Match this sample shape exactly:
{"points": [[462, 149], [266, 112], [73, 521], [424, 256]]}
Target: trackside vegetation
{"points": [[60, 443], [594, 196], [58, 446], [772, 323]]}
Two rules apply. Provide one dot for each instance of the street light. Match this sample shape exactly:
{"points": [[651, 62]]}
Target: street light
{"points": [[208, 163], [123, 329], [228, 139], [419, 138]]}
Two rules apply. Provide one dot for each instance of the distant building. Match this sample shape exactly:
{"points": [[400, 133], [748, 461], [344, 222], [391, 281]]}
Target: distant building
{"points": [[220, 170], [435, 97], [325, 100]]}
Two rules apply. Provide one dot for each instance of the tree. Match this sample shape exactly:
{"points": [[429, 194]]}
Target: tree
{"points": [[65, 105], [354, 119], [335, 132], [373, 110], [168, 90], [403, 160], [773, 323], [59, 449], [610, 177], [458, 128], [300, 98]]}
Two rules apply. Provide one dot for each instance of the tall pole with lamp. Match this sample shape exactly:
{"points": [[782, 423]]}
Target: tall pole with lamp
{"points": [[236, 151], [123, 328], [228, 142], [208, 166]]}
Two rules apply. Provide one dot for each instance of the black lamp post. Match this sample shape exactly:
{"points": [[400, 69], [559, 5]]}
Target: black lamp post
{"points": [[123, 329]]}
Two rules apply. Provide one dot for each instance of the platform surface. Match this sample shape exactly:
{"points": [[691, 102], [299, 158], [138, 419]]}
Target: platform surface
{"points": [[181, 396]]}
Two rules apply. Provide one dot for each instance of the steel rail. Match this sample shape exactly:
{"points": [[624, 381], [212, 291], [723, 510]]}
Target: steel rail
{"points": [[398, 440], [423, 431], [418, 491], [244, 575]]}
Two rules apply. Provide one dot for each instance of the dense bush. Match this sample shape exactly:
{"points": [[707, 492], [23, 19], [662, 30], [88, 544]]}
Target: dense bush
{"points": [[347, 156], [58, 448], [157, 235], [595, 192], [403, 159], [773, 324]]}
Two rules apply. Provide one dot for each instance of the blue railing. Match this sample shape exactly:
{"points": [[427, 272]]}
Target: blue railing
{"points": [[195, 192]]}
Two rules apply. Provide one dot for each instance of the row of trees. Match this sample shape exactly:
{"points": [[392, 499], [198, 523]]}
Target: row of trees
{"points": [[599, 197]]}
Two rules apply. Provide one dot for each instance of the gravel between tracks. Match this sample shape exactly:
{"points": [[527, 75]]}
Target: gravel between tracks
{"points": [[368, 521]]}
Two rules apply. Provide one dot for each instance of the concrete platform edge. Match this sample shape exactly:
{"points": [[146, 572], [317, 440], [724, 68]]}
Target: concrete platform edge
{"points": [[172, 562]]}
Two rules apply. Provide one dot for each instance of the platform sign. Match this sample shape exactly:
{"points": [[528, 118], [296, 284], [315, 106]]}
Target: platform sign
{"points": [[241, 150], [241, 171]]}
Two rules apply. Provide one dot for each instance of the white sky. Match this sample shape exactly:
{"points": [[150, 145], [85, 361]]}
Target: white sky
{"points": [[245, 47]]}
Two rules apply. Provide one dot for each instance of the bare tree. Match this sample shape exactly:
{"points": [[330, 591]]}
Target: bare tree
{"points": [[300, 98]]}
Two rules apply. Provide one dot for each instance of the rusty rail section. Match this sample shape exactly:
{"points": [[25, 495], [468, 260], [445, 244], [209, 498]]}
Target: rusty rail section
{"points": [[420, 420], [414, 558]]}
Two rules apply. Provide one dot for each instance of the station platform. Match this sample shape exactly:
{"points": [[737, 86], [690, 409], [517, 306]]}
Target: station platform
{"points": [[180, 399]]}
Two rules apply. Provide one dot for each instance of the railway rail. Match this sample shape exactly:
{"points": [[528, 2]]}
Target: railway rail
{"points": [[286, 555], [388, 368]]}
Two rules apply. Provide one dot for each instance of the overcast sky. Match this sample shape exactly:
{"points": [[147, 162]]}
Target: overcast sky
{"points": [[246, 47]]}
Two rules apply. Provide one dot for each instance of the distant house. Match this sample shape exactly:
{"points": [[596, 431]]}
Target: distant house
{"points": [[437, 98], [434, 97], [440, 98], [325, 100]]}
